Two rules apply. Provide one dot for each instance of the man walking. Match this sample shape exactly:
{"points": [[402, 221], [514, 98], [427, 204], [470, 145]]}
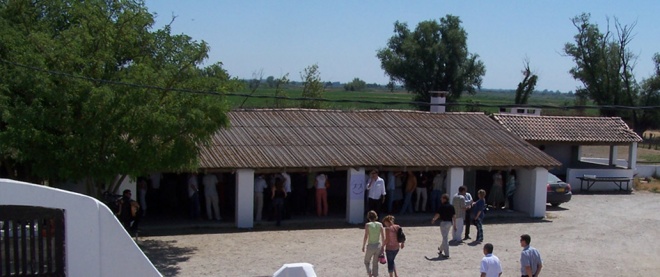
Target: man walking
{"points": [[490, 264], [448, 219], [530, 258]]}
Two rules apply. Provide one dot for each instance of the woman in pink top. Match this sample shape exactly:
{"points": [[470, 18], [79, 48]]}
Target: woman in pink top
{"points": [[392, 244]]}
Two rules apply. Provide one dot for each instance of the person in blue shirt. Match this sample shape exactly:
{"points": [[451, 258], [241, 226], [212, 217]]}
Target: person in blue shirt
{"points": [[478, 214]]}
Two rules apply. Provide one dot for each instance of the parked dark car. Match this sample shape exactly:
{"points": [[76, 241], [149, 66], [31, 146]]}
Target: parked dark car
{"points": [[558, 191]]}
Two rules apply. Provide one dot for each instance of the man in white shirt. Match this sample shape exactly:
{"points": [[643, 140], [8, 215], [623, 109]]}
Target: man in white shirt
{"points": [[210, 181], [376, 191], [490, 264], [193, 195]]}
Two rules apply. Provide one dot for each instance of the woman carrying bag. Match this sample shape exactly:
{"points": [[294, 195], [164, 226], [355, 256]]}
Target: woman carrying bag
{"points": [[374, 234], [392, 243]]}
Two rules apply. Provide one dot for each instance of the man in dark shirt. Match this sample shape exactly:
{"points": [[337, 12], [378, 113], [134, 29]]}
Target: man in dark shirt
{"points": [[447, 216]]}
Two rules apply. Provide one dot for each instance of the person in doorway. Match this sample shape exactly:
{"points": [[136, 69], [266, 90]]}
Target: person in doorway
{"points": [[287, 200], [438, 181], [374, 234], [411, 186], [155, 191], [392, 244], [376, 191], [210, 182], [142, 195], [321, 185], [259, 186], [278, 194], [496, 197], [390, 187], [458, 201], [422, 196], [530, 258], [490, 264], [193, 196], [477, 214], [447, 216], [510, 190]]}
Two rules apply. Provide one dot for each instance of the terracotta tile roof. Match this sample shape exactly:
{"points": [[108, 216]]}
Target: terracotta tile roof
{"points": [[588, 130], [303, 139]]}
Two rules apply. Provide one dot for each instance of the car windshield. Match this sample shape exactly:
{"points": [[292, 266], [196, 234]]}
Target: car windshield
{"points": [[553, 179]]}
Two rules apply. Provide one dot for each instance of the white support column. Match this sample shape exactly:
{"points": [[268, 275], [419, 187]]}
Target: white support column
{"points": [[538, 192], [454, 180], [355, 196], [245, 198], [632, 156], [614, 150]]}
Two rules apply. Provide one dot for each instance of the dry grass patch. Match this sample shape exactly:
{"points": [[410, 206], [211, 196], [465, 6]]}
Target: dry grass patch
{"points": [[647, 184]]}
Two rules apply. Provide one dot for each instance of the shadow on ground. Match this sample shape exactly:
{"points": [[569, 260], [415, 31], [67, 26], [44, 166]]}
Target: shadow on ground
{"points": [[165, 256]]}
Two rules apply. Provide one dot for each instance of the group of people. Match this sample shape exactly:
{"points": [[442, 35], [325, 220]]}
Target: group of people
{"points": [[210, 183], [382, 239], [277, 191], [425, 188]]}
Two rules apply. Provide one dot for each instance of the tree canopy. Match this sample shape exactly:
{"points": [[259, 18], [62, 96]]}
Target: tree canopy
{"points": [[605, 66], [433, 57], [89, 91]]}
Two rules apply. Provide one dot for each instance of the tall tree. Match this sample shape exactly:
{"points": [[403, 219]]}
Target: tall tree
{"points": [[598, 64], [527, 85], [433, 57], [89, 91], [605, 65], [650, 96], [312, 86]]}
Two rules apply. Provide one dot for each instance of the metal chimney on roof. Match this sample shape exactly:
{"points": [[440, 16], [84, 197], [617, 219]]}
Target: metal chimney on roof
{"points": [[438, 99]]}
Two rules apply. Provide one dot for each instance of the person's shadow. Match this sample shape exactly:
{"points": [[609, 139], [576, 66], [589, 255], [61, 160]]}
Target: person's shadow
{"points": [[474, 243]]}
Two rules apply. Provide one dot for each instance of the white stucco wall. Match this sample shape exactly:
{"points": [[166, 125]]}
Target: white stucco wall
{"points": [[96, 243], [573, 173], [531, 192]]}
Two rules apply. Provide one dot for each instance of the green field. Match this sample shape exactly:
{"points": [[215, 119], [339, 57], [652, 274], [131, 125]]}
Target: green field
{"points": [[378, 99]]}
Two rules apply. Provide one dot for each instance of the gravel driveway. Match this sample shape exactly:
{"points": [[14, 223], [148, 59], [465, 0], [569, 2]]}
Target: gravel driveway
{"points": [[593, 235]]}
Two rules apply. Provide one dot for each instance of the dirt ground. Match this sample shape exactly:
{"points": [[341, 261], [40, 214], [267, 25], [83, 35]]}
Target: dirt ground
{"points": [[593, 235]]}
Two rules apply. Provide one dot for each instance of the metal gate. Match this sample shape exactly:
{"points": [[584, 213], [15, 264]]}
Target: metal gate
{"points": [[31, 241]]}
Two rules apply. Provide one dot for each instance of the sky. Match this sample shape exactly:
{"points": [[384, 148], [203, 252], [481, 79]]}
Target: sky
{"points": [[279, 37]]}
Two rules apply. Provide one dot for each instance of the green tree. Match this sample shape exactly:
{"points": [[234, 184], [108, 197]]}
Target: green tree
{"points": [[605, 65], [355, 85], [433, 57], [312, 87], [526, 86], [66, 113]]}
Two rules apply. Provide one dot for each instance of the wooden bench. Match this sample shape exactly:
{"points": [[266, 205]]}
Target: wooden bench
{"points": [[619, 181]]}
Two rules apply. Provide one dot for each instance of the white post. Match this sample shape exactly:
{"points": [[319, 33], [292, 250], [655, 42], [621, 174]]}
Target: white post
{"points": [[613, 154], [355, 196], [245, 198], [632, 156], [539, 192], [455, 180]]}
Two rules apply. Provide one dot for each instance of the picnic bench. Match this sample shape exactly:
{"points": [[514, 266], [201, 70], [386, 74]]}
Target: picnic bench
{"points": [[591, 180]]}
